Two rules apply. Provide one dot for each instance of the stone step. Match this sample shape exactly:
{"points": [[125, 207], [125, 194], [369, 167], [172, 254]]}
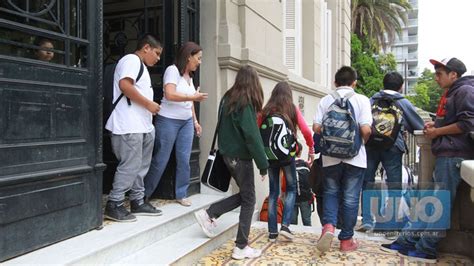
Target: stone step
{"points": [[119, 240], [187, 246]]}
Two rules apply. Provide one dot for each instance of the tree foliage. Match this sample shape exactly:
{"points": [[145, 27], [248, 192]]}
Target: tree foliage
{"points": [[427, 92], [370, 65], [378, 20]]}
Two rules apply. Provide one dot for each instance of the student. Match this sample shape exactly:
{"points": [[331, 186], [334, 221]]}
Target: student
{"points": [[176, 122], [45, 51], [133, 131], [304, 194], [342, 178], [239, 142], [281, 103], [391, 157], [450, 145]]}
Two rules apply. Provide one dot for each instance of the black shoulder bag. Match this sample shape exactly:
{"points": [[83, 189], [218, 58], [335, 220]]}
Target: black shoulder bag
{"points": [[216, 175]]}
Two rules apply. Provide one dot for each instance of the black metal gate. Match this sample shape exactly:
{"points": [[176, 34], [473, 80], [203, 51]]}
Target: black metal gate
{"points": [[174, 22], [50, 124]]}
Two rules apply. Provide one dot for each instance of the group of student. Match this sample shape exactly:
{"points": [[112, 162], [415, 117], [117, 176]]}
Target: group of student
{"points": [[243, 113], [142, 151]]}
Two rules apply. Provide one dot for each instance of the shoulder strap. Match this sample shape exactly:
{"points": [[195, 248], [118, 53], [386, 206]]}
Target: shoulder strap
{"points": [[140, 73], [349, 95], [335, 95], [219, 116]]}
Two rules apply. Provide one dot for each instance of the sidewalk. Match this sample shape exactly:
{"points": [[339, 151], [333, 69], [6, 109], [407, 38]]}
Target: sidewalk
{"points": [[302, 251]]}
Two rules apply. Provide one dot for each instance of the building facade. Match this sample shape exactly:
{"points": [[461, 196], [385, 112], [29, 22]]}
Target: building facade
{"points": [[405, 49], [52, 144], [303, 42]]}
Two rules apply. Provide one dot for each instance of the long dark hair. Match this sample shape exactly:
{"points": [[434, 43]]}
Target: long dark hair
{"points": [[188, 49], [281, 102], [246, 90]]}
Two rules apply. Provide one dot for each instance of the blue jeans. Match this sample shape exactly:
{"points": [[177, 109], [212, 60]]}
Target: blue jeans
{"points": [[171, 133], [305, 208], [289, 204], [447, 173], [342, 186], [391, 160]]}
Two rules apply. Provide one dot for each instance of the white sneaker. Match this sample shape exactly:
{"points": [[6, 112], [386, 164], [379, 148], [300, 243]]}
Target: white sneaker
{"points": [[207, 224], [246, 253]]}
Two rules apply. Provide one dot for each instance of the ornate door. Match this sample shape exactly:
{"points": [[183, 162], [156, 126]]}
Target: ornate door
{"points": [[50, 127]]}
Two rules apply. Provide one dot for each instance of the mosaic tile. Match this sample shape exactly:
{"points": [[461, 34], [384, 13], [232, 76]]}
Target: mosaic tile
{"points": [[302, 251]]}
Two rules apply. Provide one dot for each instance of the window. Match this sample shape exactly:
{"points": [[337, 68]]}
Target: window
{"points": [[45, 30], [292, 35]]}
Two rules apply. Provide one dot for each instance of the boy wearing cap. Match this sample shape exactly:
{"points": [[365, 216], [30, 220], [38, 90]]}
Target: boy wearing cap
{"points": [[451, 145]]}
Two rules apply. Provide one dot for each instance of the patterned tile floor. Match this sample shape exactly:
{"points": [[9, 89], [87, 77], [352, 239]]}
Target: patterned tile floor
{"points": [[302, 252]]}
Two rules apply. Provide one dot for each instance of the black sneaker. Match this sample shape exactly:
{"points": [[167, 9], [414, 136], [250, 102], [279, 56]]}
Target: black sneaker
{"points": [[116, 211], [272, 237], [140, 207], [286, 233]]}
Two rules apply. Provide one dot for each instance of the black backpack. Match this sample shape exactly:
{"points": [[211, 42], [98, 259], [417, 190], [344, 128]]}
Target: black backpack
{"points": [[278, 140], [303, 189], [387, 122], [108, 88]]}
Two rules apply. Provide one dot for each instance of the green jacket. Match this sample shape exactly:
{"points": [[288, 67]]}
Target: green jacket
{"points": [[239, 136]]}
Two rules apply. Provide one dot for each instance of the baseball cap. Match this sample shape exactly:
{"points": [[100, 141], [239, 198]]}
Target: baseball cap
{"points": [[452, 63]]}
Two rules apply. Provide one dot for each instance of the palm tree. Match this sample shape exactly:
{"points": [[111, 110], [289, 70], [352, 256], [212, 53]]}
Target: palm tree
{"points": [[378, 20]]}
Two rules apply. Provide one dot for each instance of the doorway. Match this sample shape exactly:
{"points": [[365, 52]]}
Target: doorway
{"points": [[173, 22]]}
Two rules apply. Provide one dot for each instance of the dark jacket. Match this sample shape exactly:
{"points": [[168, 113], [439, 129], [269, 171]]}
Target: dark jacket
{"points": [[460, 110], [411, 120], [239, 137]]}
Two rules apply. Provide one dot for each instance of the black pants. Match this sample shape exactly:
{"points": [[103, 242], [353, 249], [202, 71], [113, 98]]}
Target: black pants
{"points": [[242, 172]]}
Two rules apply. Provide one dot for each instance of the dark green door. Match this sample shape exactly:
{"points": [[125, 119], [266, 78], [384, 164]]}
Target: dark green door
{"points": [[50, 122]]}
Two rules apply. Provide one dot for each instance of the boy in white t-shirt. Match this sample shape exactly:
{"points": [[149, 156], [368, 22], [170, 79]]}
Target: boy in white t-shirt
{"points": [[342, 178], [132, 130]]}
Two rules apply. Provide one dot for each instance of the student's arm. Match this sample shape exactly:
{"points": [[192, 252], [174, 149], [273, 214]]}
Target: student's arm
{"points": [[412, 119], [434, 132], [305, 131], [129, 90], [253, 139], [464, 102], [365, 118], [365, 131]]}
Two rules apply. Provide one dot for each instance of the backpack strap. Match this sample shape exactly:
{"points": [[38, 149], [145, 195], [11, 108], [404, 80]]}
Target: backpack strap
{"points": [[219, 116], [129, 102]]}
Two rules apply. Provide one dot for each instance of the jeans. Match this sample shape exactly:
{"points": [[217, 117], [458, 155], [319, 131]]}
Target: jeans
{"points": [[274, 179], [133, 152], [171, 133], [391, 160], [305, 208], [342, 186], [242, 172], [447, 173]]}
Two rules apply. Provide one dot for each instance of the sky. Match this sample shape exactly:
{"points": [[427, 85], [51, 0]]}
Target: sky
{"points": [[445, 30]]}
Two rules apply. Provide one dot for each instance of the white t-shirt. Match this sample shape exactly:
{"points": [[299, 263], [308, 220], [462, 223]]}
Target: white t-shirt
{"points": [[177, 110], [134, 118], [363, 115]]}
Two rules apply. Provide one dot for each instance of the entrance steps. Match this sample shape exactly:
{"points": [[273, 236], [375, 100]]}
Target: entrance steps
{"points": [[174, 237]]}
